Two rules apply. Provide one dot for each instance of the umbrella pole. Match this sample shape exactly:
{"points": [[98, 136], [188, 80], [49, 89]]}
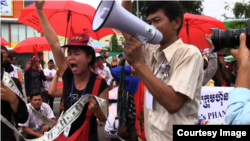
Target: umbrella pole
{"points": [[66, 31], [187, 28], [35, 50]]}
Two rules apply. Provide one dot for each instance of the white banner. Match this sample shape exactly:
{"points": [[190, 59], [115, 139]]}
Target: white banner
{"points": [[214, 102]]}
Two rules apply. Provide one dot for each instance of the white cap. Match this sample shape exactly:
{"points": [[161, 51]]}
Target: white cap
{"points": [[97, 54]]}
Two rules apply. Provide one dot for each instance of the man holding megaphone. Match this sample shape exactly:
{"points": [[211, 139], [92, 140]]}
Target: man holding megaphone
{"points": [[173, 88]]}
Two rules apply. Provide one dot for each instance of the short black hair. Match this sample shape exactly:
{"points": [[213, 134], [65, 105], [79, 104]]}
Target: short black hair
{"points": [[11, 57], [172, 10], [35, 93], [99, 57], [3, 47], [50, 61], [120, 55], [105, 52], [14, 57]]}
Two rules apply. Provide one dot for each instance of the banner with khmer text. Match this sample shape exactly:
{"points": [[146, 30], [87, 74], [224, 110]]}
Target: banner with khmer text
{"points": [[214, 102]]}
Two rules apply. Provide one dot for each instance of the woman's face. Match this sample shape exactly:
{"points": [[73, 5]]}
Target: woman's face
{"points": [[221, 60], [78, 60], [114, 58]]}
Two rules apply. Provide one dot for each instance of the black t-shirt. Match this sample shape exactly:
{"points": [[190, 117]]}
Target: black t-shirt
{"points": [[67, 84], [36, 84]]}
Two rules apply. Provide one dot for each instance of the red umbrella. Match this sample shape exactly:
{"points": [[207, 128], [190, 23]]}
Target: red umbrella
{"points": [[32, 45], [195, 27], [66, 17], [4, 42]]}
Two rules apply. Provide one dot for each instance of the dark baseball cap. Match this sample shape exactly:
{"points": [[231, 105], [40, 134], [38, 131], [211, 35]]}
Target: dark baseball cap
{"points": [[81, 39]]}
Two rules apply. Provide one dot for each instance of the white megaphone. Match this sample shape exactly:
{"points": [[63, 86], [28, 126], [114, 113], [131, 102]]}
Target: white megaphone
{"points": [[110, 14]]}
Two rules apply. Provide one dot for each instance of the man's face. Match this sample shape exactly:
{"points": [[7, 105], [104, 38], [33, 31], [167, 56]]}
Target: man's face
{"points": [[121, 58], [51, 65], [163, 24], [107, 54], [36, 102], [14, 61], [9, 60], [104, 59], [99, 62], [5, 54]]}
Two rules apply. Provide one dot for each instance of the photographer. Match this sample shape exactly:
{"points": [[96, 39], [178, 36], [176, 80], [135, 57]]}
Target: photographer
{"points": [[239, 98]]}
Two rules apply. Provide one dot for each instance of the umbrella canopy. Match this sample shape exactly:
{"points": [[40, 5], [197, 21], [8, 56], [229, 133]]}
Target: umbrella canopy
{"points": [[195, 27], [32, 45], [235, 23], [66, 17], [4, 42], [229, 58]]}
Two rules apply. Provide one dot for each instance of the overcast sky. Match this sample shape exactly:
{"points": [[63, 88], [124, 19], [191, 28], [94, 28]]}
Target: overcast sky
{"points": [[213, 8]]}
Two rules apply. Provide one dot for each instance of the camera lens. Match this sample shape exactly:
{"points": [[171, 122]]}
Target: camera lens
{"points": [[226, 38]]}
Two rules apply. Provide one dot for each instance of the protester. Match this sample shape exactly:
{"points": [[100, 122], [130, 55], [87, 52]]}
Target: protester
{"points": [[14, 62], [34, 126], [103, 71], [173, 94], [77, 79], [211, 64], [120, 56], [55, 91], [4, 52], [49, 74], [34, 78], [105, 62], [235, 67], [239, 98], [114, 62], [223, 76], [11, 104], [135, 87]]}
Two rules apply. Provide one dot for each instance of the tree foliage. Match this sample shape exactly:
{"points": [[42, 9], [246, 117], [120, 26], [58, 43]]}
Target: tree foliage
{"points": [[114, 44], [194, 7], [239, 9]]}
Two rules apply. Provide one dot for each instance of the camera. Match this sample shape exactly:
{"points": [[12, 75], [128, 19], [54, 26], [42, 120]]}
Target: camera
{"points": [[229, 38]]}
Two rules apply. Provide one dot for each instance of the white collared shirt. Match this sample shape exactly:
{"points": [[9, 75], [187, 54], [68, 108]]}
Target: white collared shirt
{"points": [[185, 76], [33, 122], [14, 72]]}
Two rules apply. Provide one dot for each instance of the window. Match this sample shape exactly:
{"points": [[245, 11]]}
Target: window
{"points": [[21, 32], [32, 32], [14, 32], [5, 31]]}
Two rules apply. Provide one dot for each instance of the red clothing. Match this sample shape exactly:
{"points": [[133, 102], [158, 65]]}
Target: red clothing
{"points": [[139, 105]]}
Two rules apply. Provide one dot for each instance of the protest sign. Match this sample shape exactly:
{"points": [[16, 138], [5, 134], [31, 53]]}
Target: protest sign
{"points": [[214, 102]]}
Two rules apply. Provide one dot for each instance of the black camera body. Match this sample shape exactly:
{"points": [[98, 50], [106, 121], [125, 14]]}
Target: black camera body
{"points": [[229, 38]]}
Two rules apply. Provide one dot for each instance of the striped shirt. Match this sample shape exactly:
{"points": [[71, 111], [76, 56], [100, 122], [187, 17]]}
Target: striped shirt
{"points": [[185, 76]]}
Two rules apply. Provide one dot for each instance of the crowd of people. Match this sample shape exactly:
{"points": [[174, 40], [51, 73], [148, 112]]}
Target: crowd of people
{"points": [[162, 83]]}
